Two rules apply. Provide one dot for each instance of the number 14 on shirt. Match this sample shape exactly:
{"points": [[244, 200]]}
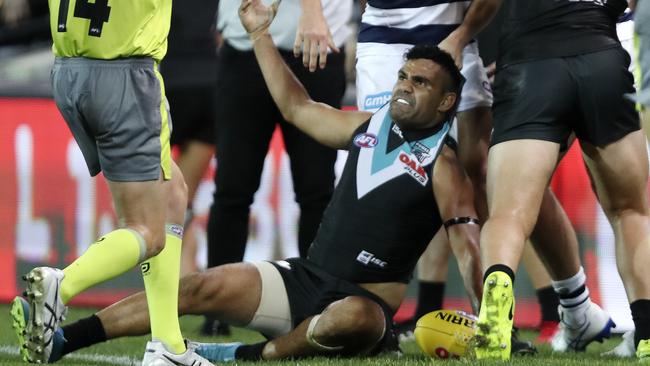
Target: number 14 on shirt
{"points": [[97, 12]]}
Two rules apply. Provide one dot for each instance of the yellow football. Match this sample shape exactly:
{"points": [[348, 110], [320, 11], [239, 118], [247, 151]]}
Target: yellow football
{"points": [[445, 333]]}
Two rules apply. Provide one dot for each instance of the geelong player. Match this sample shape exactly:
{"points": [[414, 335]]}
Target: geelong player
{"points": [[401, 182], [106, 84]]}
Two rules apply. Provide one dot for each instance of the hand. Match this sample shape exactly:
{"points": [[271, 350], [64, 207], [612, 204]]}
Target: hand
{"points": [[313, 38], [454, 48], [257, 17]]}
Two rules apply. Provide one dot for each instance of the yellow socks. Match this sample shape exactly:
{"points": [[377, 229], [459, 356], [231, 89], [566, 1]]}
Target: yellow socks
{"points": [[108, 257], [161, 277]]}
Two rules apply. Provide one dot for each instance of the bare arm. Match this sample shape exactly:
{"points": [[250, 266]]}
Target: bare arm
{"points": [[455, 197], [479, 15], [325, 124], [313, 36]]}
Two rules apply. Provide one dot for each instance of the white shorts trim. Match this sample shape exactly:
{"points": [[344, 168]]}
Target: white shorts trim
{"points": [[273, 316]]}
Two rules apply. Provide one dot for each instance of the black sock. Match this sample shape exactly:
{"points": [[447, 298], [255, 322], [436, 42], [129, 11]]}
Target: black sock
{"points": [[548, 302], [499, 268], [430, 295], [641, 316], [83, 333], [250, 352]]}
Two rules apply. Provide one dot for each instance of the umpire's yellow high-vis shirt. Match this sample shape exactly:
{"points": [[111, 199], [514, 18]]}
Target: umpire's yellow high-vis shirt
{"points": [[110, 29]]}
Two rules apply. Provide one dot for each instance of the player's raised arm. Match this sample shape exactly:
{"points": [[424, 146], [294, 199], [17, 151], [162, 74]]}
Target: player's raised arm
{"points": [[455, 197], [479, 15], [325, 124]]}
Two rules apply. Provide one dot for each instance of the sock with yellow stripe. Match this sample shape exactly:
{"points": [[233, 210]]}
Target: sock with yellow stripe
{"points": [[108, 257], [161, 276]]}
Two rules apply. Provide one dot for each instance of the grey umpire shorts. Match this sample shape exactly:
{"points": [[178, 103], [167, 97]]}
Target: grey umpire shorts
{"points": [[642, 29], [118, 114]]}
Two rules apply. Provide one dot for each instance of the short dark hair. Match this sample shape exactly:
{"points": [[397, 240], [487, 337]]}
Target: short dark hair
{"points": [[442, 58]]}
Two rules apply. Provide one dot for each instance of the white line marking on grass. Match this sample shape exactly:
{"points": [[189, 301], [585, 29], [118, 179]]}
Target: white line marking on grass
{"points": [[88, 357]]}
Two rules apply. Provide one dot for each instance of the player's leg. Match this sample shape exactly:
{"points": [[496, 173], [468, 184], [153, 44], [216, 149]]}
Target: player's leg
{"points": [[193, 162], [615, 153], [525, 148], [245, 125], [194, 134], [230, 292], [515, 196], [474, 121], [546, 297], [556, 243], [620, 173], [135, 179], [246, 120], [354, 325]]}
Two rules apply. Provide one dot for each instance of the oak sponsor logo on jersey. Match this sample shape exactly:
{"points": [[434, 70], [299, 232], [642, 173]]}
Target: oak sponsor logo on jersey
{"points": [[365, 140], [374, 101], [413, 168], [368, 258]]}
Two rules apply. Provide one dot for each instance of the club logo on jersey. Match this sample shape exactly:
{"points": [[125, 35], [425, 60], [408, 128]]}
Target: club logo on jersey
{"points": [[413, 168], [422, 152], [374, 101], [368, 258], [365, 140]]}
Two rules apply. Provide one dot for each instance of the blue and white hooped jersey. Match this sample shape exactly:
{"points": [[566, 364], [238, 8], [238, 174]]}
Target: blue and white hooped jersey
{"points": [[410, 21], [383, 213]]}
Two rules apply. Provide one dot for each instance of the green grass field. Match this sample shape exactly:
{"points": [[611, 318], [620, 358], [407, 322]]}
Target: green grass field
{"points": [[128, 351]]}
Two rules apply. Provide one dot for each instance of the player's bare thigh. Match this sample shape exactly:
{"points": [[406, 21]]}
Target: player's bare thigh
{"points": [[230, 292], [620, 172]]}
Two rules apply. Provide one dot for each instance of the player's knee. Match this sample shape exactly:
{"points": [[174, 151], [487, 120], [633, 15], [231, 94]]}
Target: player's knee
{"points": [[625, 206], [178, 195], [154, 240], [365, 316], [356, 324]]}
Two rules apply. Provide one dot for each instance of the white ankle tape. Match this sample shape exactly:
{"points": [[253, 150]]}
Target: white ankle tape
{"points": [[313, 342]]}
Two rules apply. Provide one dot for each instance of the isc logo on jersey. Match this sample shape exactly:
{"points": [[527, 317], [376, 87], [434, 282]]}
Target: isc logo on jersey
{"points": [[413, 168], [445, 333], [365, 140]]}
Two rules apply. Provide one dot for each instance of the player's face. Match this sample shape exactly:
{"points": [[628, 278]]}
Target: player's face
{"points": [[419, 99]]}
